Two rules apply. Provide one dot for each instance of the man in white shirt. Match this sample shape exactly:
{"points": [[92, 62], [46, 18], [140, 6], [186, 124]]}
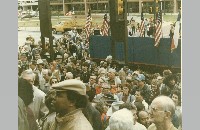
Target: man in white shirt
{"points": [[38, 105]]}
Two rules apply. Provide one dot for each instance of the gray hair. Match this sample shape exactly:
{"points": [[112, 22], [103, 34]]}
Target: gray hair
{"points": [[28, 73], [129, 106], [122, 120]]}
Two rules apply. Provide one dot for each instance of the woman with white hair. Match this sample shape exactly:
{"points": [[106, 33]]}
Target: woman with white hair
{"points": [[121, 120]]}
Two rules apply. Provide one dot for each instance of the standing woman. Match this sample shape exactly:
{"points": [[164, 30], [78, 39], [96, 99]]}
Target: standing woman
{"points": [[176, 97]]}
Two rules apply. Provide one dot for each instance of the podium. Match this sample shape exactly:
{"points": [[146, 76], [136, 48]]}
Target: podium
{"points": [[97, 32]]}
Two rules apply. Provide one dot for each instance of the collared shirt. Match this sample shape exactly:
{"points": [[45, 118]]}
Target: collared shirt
{"points": [[74, 120], [38, 104], [48, 120]]}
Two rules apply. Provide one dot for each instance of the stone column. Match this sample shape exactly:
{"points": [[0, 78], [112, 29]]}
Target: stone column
{"points": [[175, 6], [86, 7], [140, 6]]}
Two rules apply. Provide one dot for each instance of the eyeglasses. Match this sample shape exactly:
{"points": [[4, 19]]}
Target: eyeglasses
{"points": [[154, 109]]}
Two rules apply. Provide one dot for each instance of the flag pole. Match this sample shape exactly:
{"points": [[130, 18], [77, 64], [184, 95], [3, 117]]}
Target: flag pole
{"points": [[154, 13], [162, 15]]}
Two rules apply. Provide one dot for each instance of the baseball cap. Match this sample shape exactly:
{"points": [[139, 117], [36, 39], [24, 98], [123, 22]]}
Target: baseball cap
{"points": [[140, 77]]}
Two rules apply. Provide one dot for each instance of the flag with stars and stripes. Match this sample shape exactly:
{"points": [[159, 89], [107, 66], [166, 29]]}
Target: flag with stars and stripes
{"points": [[105, 26], [142, 25], [88, 25], [174, 40], [158, 28]]}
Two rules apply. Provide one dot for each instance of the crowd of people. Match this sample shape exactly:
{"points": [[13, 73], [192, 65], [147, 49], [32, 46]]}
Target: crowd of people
{"points": [[73, 92]]}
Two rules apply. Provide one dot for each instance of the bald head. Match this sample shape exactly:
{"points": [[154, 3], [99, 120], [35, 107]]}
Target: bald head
{"points": [[144, 118], [166, 103], [142, 113]]}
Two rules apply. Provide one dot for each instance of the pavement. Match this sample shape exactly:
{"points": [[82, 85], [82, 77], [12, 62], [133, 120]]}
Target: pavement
{"points": [[165, 29], [135, 16]]}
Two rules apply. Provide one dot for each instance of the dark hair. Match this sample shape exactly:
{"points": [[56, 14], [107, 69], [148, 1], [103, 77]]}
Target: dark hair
{"points": [[36, 81], [165, 90], [139, 106], [49, 97], [25, 91], [128, 106], [80, 101], [85, 64], [178, 93], [33, 62], [167, 80], [142, 93], [114, 62], [73, 60], [69, 68], [100, 107], [128, 86], [91, 94]]}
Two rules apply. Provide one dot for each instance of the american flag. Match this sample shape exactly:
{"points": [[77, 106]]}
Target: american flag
{"points": [[105, 26], [88, 26], [174, 40], [142, 25], [158, 33]]}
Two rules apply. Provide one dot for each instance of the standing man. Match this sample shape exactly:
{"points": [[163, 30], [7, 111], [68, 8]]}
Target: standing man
{"points": [[40, 66], [143, 87], [70, 98], [38, 105], [161, 112], [132, 26], [85, 74], [33, 65]]}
